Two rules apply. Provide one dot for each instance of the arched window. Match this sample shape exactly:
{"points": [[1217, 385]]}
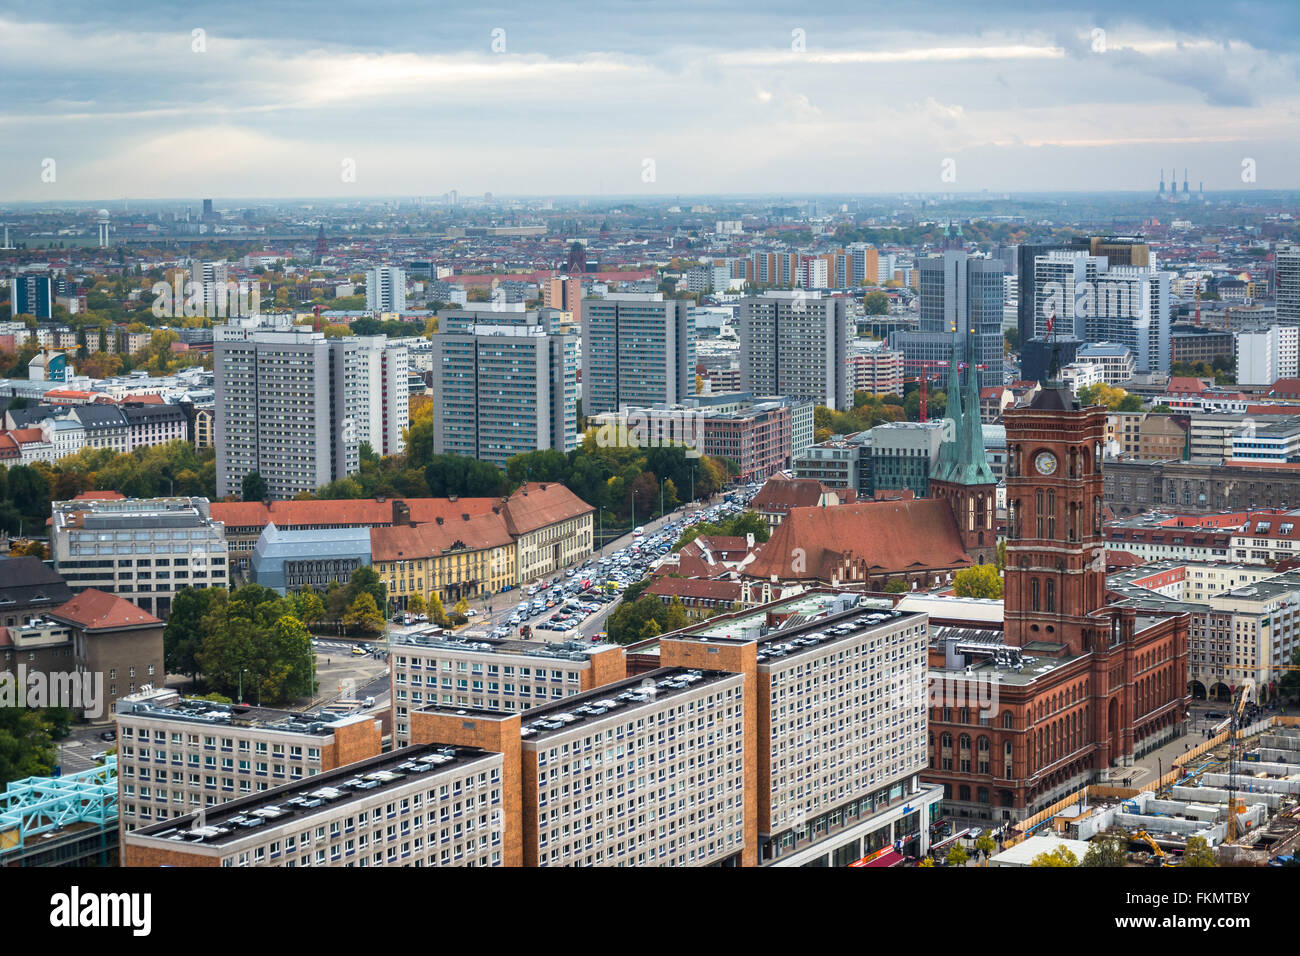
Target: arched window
{"points": [[1051, 595], [1033, 591], [1008, 722]]}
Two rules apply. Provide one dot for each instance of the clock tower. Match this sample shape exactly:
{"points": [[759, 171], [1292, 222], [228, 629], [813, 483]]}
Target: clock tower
{"points": [[1055, 575]]}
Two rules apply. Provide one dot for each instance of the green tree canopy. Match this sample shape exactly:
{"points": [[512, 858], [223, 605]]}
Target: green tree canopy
{"points": [[978, 581]]}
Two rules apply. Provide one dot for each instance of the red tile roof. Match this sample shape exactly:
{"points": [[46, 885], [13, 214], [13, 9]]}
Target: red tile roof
{"points": [[96, 610], [1288, 387], [359, 512], [22, 435], [1185, 385], [883, 536], [405, 542], [670, 587], [779, 495], [100, 496], [539, 504]]}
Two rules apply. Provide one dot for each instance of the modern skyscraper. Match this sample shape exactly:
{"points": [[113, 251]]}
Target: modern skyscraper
{"points": [[385, 411], [1095, 301], [960, 294], [293, 405], [796, 344], [1026, 254], [32, 296], [1288, 284], [505, 384], [637, 349], [386, 289]]}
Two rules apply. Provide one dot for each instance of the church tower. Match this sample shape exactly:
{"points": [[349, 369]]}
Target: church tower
{"points": [[961, 473], [1056, 548]]}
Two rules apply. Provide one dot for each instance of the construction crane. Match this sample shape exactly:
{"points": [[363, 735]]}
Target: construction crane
{"points": [[923, 408], [1234, 747]]}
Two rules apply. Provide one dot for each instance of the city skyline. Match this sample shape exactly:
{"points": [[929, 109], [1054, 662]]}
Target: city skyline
{"points": [[157, 100]]}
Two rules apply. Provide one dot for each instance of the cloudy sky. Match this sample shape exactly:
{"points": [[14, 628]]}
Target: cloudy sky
{"points": [[628, 97]]}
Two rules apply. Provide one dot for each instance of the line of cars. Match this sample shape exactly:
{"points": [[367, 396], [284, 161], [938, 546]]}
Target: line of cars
{"points": [[581, 592], [571, 598]]}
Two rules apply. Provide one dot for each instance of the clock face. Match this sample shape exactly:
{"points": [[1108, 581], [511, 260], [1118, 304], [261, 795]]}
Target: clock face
{"points": [[1045, 462]]}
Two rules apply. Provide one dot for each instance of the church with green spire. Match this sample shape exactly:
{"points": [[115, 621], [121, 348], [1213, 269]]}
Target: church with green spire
{"points": [[961, 474]]}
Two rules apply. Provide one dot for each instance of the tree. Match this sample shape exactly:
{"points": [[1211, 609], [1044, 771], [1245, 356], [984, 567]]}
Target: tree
{"points": [[1114, 398], [1109, 849], [28, 548], [896, 586], [1198, 853], [294, 669], [363, 616], [183, 635], [1061, 856], [415, 603], [978, 581], [461, 607], [927, 862], [876, 303], [311, 608], [253, 487], [365, 579], [26, 740], [437, 614], [1001, 560], [957, 855], [985, 845], [747, 522]]}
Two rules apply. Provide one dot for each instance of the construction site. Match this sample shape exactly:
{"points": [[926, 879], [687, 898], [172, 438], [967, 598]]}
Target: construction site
{"points": [[1239, 792]]}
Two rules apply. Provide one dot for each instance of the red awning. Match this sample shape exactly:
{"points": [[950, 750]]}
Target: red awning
{"points": [[890, 857]]}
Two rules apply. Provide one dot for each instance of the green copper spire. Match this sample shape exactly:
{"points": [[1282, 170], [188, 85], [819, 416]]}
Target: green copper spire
{"points": [[962, 458]]}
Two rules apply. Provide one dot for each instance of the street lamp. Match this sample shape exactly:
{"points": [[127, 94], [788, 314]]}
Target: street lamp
{"points": [[242, 672]]}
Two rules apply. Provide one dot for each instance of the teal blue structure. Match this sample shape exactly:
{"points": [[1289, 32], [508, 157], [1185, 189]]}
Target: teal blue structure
{"points": [[36, 805]]}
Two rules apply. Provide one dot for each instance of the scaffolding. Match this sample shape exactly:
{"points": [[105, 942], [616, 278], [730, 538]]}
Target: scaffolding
{"points": [[36, 805]]}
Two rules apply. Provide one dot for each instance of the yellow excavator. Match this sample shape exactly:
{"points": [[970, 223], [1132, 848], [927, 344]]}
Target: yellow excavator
{"points": [[1158, 855]]}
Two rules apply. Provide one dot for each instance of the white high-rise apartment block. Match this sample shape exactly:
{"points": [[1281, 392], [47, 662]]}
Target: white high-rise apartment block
{"points": [[506, 383], [210, 277], [638, 348], [796, 344], [385, 409], [1288, 284], [1265, 355], [386, 289], [289, 405], [1097, 302], [814, 273]]}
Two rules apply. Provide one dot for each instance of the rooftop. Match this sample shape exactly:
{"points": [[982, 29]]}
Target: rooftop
{"points": [[563, 650], [166, 704], [364, 779]]}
